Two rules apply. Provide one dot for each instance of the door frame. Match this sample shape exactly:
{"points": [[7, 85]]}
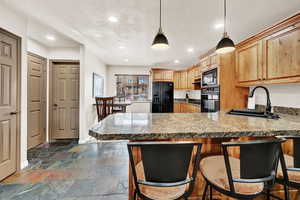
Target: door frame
{"points": [[29, 53], [18, 102], [51, 71]]}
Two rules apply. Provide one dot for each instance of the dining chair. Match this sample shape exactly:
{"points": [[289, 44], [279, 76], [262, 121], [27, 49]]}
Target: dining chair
{"points": [[251, 175], [104, 107], [163, 172], [289, 170]]}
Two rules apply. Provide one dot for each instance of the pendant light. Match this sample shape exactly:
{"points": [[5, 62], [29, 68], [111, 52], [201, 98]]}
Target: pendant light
{"points": [[160, 41], [226, 45]]}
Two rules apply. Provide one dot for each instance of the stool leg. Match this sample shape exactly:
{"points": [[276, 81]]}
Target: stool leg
{"points": [[286, 192], [134, 196], [268, 194], [210, 193], [204, 192]]}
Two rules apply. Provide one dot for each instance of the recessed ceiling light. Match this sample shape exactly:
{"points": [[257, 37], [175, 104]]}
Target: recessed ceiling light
{"points": [[126, 60], [50, 37], [113, 19], [219, 25], [176, 61], [121, 47], [190, 50]]}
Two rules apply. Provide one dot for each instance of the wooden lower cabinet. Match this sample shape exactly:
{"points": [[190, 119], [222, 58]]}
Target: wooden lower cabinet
{"points": [[186, 108], [212, 146]]}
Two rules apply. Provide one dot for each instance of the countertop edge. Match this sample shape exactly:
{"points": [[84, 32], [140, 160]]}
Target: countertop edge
{"points": [[157, 136]]}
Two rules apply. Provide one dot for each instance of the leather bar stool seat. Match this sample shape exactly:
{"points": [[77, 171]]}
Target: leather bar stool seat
{"points": [[214, 170], [159, 193]]}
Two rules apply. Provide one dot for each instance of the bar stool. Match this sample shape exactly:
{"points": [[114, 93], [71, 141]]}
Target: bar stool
{"points": [[243, 178], [163, 172], [288, 173]]}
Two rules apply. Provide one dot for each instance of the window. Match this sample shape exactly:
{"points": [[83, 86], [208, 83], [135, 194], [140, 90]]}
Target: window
{"points": [[133, 87]]}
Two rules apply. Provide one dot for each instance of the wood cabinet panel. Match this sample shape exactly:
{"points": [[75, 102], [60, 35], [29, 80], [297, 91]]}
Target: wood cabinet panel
{"points": [[157, 75], [176, 107], [249, 62], [283, 55], [176, 80], [183, 80], [162, 75], [168, 75], [190, 79]]}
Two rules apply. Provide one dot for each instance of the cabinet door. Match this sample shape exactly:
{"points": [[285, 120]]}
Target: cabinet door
{"points": [[183, 80], [168, 75], [249, 62], [214, 60], [190, 80], [283, 55], [176, 107], [182, 108], [157, 75], [176, 80]]}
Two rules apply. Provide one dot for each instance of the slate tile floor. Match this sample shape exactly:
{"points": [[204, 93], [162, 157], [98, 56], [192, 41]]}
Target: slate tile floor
{"points": [[68, 171]]}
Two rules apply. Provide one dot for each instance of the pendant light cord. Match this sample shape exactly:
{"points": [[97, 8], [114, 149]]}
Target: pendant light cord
{"points": [[225, 22], [160, 29]]}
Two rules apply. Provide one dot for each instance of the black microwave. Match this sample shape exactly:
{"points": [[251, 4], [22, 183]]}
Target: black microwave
{"points": [[210, 78]]}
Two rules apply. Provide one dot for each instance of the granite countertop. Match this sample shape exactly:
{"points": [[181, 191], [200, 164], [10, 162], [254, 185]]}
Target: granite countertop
{"points": [[151, 126]]}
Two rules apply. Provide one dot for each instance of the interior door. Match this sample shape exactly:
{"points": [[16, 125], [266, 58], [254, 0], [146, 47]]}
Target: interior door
{"points": [[36, 133], [8, 104], [65, 99]]}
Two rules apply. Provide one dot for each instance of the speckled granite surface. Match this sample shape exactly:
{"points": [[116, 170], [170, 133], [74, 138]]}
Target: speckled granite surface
{"points": [[150, 126]]}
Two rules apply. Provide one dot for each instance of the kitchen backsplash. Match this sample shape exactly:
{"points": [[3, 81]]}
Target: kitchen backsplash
{"points": [[193, 94]]}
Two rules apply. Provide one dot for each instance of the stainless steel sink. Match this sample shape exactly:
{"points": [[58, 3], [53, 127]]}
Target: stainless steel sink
{"points": [[253, 113]]}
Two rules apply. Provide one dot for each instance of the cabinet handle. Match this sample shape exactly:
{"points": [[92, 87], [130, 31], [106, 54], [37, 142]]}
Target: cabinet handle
{"points": [[13, 113]]}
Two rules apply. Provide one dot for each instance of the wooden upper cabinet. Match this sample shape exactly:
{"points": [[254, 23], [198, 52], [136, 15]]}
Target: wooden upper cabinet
{"points": [[190, 79], [283, 55], [176, 80], [183, 80], [162, 75], [249, 62], [197, 72]]}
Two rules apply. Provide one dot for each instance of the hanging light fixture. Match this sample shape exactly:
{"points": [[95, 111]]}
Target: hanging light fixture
{"points": [[160, 41], [226, 45]]}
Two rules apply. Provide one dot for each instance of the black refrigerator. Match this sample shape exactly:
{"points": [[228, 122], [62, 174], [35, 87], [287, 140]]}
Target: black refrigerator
{"points": [[162, 97]]}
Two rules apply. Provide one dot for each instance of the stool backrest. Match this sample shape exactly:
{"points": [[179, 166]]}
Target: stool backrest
{"points": [[258, 160], [166, 163], [104, 106]]}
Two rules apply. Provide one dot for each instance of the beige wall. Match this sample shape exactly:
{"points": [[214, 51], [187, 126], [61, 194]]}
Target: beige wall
{"points": [[89, 63]]}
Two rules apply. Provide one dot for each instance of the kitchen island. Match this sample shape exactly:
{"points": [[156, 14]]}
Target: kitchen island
{"points": [[208, 128]]}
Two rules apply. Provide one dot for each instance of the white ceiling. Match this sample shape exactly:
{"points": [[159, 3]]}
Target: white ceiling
{"points": [[39, 32], [186, 24]]}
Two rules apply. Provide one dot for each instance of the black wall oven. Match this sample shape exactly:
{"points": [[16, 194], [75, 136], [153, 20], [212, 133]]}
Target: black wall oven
{"points": [[210, 99], [210, 78]]}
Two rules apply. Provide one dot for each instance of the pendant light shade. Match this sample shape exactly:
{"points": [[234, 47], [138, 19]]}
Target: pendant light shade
{"points": [[225, 45], [160, 41]]}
